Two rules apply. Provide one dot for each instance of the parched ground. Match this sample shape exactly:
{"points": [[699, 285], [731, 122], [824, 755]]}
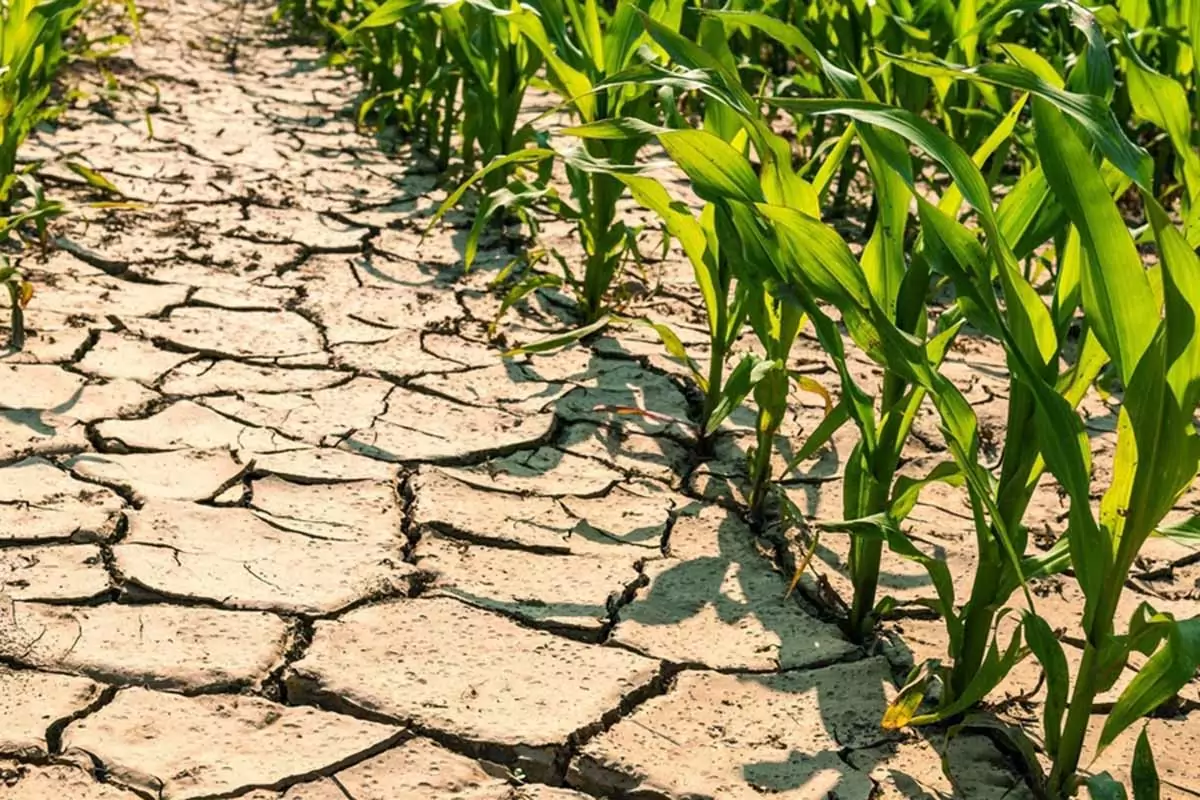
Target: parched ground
{"points": [[277, 522]]}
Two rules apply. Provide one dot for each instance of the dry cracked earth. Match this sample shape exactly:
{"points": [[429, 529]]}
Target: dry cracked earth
{"points": [[277, 522]]}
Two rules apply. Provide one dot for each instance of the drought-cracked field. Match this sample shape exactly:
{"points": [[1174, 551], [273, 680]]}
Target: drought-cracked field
{"points": [[278, 522]]}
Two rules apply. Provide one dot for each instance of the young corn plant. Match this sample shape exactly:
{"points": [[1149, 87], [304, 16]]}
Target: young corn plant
{"points": [[724, 298], [1157, 452], [1153, 341], [1029, 216], [883, 274], [436, 69], [589, 55], [409, 77], [31, 52]]}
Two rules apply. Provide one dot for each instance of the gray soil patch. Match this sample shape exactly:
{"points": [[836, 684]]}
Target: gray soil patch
{"points": [[161, 646], [717, 602], [510, 693], [171, 552], [148, 740], [31, 702]]}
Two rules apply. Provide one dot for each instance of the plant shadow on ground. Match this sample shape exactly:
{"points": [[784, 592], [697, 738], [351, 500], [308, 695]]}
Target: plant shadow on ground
{"points": [[723, 576]]}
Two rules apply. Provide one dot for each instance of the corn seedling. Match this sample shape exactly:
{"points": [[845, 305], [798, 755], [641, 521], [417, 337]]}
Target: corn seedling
{"points": [[588, 54], [1153, 343], [724, 302], [31, 51]]}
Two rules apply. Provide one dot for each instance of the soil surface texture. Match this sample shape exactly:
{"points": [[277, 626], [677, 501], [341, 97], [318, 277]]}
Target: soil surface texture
{"points": [[278, 522]]}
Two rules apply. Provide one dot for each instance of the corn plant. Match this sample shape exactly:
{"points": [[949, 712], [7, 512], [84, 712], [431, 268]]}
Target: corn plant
{"points": [[722, 175], [723, 297], [31, 51], [587, 54], [894, 285], [20, 291], [1028, 217], [400, 52], [1157, 364], [1155, 348]]}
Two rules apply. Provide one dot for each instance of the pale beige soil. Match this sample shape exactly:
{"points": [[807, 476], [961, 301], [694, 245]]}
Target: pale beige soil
{"points": [[277, 522]]}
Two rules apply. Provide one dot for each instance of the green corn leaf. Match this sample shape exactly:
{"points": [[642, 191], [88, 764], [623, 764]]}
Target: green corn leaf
{"points": [[996, 665], [560, 340], [1162, 448], [1032, 322], [822, 254], [717, 171], [1067, 286], [846, 83], [677, 351], [615, 129], [829, 425], [388, 13], [1032, 61], [882, 260], [1163, 674], [907, 490], [1143, 772], [1091, 112], [1049, 653], [1029, 214], [719, 118], [911, 127], [1181, 294], [1186, 531], [742, 379], [570, 82], [833, 161], [1163, 102], [691, 237], [526, 156], [691, 55], [1116, 292], [523, 288], [952, 199], [590, 33], [621, 37], [93, 178], [1052, 562], [1028, 319], [1105, 787]]}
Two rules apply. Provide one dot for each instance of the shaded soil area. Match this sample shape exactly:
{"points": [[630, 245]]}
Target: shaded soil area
{"points": [[276, 521]]}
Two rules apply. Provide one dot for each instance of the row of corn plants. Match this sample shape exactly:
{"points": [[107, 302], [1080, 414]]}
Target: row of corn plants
{"points": [[1021, 158]]}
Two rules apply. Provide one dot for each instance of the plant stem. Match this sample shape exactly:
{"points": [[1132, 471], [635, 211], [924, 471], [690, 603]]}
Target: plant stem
{"points": [[977, 632], [1070, 746], [600, 265], [1066, 760], [865, 557], [716, 373]]}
